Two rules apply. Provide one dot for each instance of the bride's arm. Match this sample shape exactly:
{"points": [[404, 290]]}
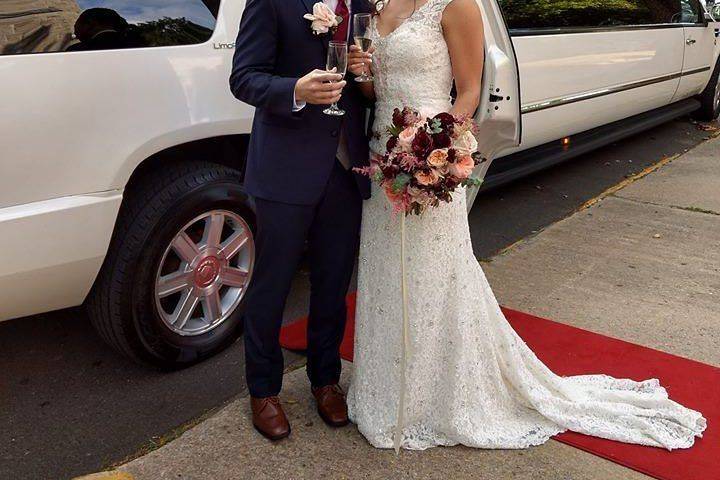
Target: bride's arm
{"points": [[463, 31]]}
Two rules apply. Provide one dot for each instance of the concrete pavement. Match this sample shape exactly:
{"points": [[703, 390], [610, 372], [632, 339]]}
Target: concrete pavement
{"points": [[641, 264]]}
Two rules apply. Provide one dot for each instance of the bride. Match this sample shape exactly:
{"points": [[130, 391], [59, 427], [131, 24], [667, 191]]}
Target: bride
{"points": [[468, 377]]}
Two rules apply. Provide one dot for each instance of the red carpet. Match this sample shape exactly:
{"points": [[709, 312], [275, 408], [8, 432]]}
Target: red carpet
{"points": [[573, 351]]}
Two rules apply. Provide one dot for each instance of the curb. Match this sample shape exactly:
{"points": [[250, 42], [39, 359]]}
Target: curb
{"points": [[114, 475]]}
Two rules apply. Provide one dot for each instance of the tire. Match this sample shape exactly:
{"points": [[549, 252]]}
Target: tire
{"points": [[125, 304], [710, 98]]}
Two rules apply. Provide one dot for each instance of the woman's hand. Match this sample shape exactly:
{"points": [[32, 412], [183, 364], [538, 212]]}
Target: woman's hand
{"points": [[359, 61]]}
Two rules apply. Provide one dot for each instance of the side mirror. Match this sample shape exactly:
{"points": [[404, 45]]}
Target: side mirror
{"points": [[707, 18]]}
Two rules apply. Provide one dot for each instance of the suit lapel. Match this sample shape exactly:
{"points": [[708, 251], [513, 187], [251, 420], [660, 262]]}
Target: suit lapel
{"points": [[308, 5]]}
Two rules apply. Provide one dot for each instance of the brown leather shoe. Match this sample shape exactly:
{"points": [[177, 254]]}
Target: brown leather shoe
{"points": [[269, 418], [331, 405]]}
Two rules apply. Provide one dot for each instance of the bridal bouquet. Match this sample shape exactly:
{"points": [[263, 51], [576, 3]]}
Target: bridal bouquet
{"points": [[426, 159]]}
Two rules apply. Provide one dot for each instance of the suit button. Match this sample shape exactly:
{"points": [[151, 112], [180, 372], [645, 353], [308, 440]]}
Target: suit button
{"points": [[334, 133]]}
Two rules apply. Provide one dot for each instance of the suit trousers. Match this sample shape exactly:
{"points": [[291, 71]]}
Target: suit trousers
{"points": [[331, 230]]}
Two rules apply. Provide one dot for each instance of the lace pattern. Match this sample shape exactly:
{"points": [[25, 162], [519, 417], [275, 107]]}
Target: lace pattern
{"points": [[411, 63], [471, 379]]}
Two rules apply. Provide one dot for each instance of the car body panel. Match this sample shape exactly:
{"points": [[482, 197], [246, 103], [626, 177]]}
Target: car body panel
{"points": [[562, 66], [54, 249]]}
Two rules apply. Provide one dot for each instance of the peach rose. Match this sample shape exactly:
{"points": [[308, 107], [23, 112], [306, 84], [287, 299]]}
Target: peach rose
{"points": [[406, 137], [429, 178], [466, 144], [438, 158], [463, 167], [322, 18]]}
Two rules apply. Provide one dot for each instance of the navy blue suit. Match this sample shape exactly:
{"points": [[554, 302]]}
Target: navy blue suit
{"points": [[301, 191]]}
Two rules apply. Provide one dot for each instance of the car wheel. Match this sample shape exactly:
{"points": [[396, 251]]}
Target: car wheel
{"points": [[710, 98], [171, 290]]}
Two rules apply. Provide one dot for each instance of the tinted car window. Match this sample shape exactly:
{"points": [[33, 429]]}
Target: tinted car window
{"points": [[40, 26], [536, 14], [690, 12]]}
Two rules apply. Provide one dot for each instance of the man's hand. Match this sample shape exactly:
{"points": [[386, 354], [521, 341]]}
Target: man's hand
{"points": [[319, 88]]}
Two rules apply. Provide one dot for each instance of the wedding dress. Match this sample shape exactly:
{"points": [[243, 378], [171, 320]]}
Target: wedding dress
{"points": [[469, 378]]}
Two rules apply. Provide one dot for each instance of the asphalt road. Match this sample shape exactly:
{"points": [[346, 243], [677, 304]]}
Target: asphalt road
{"points": [[69, 405]]}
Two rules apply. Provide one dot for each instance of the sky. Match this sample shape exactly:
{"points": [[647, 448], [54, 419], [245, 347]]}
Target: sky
{"points": [[135, 11]]}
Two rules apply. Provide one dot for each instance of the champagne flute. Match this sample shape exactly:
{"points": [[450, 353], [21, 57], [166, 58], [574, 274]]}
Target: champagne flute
{"points": [[337, 63], [361, 37]]}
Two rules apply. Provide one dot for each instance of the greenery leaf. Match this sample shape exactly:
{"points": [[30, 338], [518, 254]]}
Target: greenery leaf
{"points": [[400, 182]]}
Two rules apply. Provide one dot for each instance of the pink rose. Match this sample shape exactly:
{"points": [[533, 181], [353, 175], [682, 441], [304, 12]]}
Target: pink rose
{"points": [[406, 137], [466, 144], [322, 18], [438, 158], [430, 177], [419, 196], [413, 191], [463, 167]]}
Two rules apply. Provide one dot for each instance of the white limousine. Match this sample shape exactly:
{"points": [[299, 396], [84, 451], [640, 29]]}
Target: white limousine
{"points": [[122, 148]]}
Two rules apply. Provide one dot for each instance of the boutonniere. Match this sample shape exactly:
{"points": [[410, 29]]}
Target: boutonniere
{"points": [[323, 19]]}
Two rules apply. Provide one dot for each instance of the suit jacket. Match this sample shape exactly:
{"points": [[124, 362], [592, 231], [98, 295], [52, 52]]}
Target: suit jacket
{"points": [[291, 154]]}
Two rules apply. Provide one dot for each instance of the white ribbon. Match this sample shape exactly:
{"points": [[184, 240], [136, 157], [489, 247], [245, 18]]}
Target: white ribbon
{"points": [[405, 347]]}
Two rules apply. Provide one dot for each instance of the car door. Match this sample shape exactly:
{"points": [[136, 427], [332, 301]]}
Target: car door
{"points": [[498, 115], [586, 63], [700, 40]]}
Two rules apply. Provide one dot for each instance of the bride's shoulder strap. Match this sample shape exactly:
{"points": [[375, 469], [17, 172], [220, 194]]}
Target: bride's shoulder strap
{"points": [[436, 7]]}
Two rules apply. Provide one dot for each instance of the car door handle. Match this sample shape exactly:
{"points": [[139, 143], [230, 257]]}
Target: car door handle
{"points": [[690, 41]]}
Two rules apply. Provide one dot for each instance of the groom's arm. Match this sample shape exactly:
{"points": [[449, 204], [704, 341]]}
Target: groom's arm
{"points": [[252, 79]]}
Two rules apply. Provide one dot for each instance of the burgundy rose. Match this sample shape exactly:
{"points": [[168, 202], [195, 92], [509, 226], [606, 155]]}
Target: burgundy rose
{"points": [[390, 171], [441, 140], [452, 155], [422, 144], [392, 141], [447, 122], [398, 118], [451, 183]]}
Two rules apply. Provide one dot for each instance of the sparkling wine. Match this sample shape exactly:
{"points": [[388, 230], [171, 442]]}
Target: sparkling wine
{"points": [[362, 23], [363, 43]]}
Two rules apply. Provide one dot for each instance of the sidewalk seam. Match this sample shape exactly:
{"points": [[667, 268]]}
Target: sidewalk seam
{"points": [[676, 207]]}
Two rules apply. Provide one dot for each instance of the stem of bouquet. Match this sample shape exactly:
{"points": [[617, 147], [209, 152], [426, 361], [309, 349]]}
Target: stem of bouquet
{"points": [[405, 349]]}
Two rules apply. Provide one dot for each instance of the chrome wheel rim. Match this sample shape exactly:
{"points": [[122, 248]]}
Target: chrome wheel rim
{"points": [[716, 103], [204, 272]]}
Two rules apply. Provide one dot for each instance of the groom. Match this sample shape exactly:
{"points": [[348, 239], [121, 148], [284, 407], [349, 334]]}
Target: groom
{"points": [[299, 173]]}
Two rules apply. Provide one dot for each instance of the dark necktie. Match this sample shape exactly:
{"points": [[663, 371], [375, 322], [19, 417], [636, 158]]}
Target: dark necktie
{"points": [[342, 30]]}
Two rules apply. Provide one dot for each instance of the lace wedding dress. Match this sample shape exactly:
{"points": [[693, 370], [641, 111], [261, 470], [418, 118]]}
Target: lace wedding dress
{"points": [[470, 378]]}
